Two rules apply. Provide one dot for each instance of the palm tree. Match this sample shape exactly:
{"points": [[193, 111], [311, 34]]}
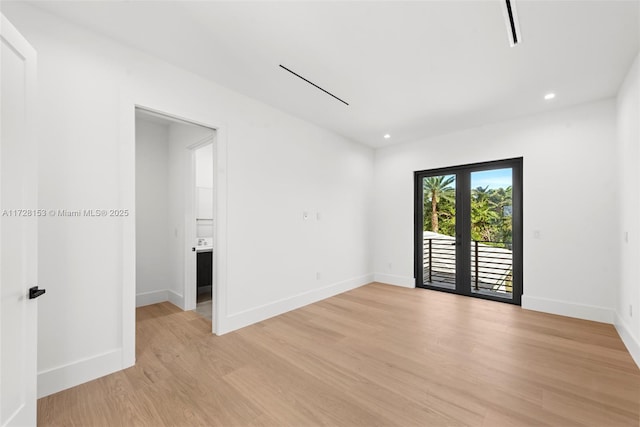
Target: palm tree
{"points": [[436, 188], [482, 194]]}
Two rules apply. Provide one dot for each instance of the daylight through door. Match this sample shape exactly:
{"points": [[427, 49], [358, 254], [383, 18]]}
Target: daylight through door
{"points": [[468, 236]]}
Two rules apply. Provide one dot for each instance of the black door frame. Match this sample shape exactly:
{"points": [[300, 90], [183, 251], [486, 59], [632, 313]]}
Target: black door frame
{"points": [[463, 226]]}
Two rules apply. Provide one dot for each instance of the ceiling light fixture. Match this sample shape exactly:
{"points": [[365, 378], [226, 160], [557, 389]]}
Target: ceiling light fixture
{"points": [[549, 96], [313, 84], [387, 136], [511, 19]]}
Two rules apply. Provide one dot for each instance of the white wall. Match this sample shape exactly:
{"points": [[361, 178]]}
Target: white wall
{"points": [[569, 180], [204, 191], [275, 168], [628, 108], [204, 166], [153, 260]]}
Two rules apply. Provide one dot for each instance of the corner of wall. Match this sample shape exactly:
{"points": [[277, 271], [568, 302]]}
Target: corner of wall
{"points": [[628, 183], [153, 297], [248, 317], [392, 279], [632, 344], [569, 309], [176, 299]]}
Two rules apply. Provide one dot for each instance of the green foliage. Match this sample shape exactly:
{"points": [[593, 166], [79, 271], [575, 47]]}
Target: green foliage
{"points": [[490, 210], [439, 204]]}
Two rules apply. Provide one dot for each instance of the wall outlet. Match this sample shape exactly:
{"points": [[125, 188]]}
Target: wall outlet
{"points": [[536, 234], [305, 216], [630, 310], [390, 266]]}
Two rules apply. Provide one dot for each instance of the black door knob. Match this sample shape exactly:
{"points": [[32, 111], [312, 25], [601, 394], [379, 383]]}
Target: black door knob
{"points": [[35, 292]]}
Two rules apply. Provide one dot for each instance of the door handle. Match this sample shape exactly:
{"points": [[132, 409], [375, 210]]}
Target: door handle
{"points": [[35, 292]]}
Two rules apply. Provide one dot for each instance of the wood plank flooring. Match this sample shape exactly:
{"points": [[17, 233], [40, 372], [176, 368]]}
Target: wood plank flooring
{"points": [[378, 355]]}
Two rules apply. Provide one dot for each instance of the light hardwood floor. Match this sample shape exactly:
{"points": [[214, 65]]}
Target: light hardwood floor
{"points": [[378, 355]]}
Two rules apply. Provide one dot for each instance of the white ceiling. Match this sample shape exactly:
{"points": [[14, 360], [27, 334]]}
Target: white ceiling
{"points": [[411, 69]]}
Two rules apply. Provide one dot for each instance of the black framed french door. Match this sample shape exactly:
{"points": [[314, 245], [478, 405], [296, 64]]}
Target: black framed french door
{"points": [[468, 230]]}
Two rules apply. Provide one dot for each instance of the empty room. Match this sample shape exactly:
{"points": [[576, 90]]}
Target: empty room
{"points": [[305, 213]]}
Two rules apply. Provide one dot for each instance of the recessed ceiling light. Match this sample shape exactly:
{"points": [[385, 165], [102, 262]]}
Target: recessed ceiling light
{"points": [[387, 136], [549, 96]]}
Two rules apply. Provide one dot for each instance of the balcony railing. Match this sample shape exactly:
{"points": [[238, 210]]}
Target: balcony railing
{"points": [[491, 264]]}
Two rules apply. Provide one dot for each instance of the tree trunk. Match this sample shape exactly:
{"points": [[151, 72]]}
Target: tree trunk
{"points": [[434, 212]]}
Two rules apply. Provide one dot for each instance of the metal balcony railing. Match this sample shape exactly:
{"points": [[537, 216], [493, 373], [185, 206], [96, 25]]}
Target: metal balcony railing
{"points": [[491, 264], [440, 260]]}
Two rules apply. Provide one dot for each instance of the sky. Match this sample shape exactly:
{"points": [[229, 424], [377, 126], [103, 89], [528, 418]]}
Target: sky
{"points": [[496, 178]]}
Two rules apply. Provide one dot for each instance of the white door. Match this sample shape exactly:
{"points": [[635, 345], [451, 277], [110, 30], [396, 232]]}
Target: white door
{"points": [[18, 230]]}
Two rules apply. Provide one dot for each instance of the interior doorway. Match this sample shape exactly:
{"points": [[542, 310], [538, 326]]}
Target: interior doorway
{"points": [[175, 209], [203, 203], [468, 230]]}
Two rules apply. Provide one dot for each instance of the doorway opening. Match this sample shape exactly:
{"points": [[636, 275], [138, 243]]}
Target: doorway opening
{"points": [[468, 230], [175, 210], [203, 203]]}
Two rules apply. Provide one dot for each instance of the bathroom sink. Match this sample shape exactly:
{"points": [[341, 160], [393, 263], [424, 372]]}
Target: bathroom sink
{"points": [[204, 244]]}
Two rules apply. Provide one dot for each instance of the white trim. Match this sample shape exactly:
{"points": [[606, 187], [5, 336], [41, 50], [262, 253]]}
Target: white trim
{"points": [[631, 342], [569, 309], [263, 312], [175, 299], [209, 139], [190, 261], [83, 370], [153, 297], [219, 308], [127, 164], [392, 279]]}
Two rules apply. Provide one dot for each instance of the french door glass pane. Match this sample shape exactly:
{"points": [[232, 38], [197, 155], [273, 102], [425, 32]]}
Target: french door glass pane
{"points": [[491, 233], [439, 230]]}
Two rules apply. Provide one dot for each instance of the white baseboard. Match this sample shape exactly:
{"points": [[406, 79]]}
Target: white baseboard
{"points": [[176, 299], [70, 375], [392, 279], [154, 297], [569, 309], [258, 314], [79, 372], [67, 376], [631, 342]]}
